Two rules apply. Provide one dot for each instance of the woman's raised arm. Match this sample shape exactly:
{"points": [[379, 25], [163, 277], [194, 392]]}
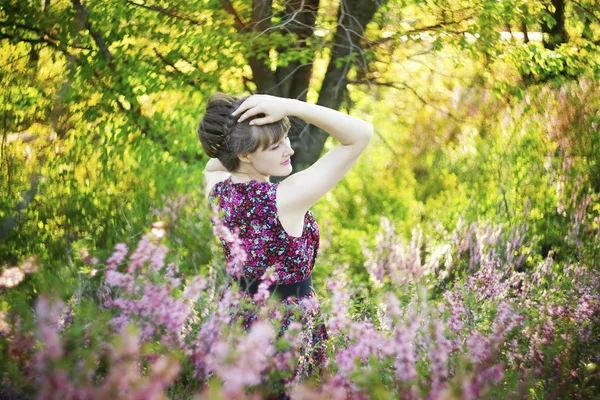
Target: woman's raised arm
{"points": [[300, 191], [214, 172], [297, 193]]}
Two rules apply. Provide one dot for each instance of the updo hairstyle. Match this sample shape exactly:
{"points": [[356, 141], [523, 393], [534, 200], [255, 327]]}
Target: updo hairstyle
{"points": [[224, 138]]}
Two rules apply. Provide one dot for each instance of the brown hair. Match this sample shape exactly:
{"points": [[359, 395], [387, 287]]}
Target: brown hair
{"points": [[224, 138]]}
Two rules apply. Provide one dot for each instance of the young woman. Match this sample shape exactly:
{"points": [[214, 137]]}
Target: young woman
{"points": [[247, 141]]}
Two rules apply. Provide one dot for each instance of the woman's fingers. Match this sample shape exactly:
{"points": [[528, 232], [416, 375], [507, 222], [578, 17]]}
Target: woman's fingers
{"points": [[243, 107], [240, 110], [253, 106], [249, 113], [262, 121]]}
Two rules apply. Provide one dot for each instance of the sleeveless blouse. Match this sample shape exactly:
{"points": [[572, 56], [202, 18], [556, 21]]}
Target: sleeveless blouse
{"points": [[249, 210]]}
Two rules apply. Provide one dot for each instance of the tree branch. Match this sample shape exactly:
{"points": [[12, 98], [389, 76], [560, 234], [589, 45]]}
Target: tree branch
{"points": [[385, 142], [299, 19], [422, 29], [83, 18], [43, 40], [587, 10], [239, 22], [166, 11], [134, 112], [43, 37], [20, 39], [400, 86], [263, 77], [192, 82], [353, 17]]}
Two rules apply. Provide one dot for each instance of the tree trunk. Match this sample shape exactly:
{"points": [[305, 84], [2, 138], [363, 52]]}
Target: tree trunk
{"points": [[292, 80], [525, 33], [356, 14], [263, 77], [557, 34]]}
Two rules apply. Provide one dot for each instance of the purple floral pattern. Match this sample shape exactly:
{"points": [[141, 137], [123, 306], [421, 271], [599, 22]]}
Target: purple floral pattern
{"points": [[249, 211]]}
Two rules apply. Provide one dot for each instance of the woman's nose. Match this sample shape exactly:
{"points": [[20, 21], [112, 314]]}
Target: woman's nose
{"points": [[290, 151]]}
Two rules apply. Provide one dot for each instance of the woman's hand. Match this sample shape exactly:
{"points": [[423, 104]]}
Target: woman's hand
{"points": [[274, 109]]}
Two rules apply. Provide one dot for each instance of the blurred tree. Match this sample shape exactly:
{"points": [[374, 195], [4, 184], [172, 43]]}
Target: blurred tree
{"points": [[122, 50], [114, 86]]}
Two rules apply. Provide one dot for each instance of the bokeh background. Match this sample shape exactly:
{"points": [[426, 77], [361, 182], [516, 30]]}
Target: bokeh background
{"points": [[486, 150]]}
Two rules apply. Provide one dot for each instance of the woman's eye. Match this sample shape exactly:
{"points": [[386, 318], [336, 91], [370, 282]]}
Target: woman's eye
{"points": [[275, 148]]}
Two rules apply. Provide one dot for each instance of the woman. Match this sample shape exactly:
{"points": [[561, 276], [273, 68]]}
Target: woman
{"points": [[247, 142]]}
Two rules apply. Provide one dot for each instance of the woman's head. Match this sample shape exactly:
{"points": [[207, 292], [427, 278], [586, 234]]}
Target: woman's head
{"points": [[233, 143]]}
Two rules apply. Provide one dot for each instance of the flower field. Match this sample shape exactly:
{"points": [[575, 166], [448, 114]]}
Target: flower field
{"points": [[461, 319], [459, 257]]}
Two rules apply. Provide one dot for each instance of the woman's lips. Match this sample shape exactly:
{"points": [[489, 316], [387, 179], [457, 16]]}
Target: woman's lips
{"points": [[286, 162]]}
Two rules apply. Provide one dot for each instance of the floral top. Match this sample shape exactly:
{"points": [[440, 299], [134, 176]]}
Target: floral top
{"points": [[250, 207]]}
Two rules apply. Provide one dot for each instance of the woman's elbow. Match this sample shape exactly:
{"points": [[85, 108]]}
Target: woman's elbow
{"points": [[369, 131]]}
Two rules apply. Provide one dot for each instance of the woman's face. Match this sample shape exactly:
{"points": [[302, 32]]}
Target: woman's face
{"points": [[274, 160]]}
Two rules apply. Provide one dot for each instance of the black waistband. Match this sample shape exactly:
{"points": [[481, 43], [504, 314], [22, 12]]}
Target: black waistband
{"points": [[282, 290]]}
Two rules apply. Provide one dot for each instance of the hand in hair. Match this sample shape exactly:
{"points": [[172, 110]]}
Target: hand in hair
{"points": [[273, 108]]}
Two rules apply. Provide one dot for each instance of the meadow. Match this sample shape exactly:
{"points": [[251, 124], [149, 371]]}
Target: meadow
{"points": [[459, 258]]}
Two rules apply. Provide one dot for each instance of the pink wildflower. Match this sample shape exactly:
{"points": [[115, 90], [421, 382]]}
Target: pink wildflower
{"points": [[253, 353], [49, 315], [339, 319], [268, 278], [439, 351], [238, 255], [142, 253], [194, 288], [11, 277], [473, 388], [479, 347], [157, 260], [309, 303], [457, 310], [367, 342], [171, 270], [404, 350], [117, 257]]}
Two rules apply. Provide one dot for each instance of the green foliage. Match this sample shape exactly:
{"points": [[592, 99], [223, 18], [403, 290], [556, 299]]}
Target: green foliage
{"points": [[470, 126]]}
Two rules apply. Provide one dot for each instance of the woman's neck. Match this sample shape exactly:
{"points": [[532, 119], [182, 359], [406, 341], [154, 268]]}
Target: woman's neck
{"points": [[240, 176]]}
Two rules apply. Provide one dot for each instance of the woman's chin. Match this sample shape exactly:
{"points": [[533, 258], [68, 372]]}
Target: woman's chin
{"points": [[284, 173]]}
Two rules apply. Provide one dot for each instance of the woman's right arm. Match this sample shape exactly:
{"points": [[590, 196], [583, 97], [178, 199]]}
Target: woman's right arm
{"points": [[214, 172], [214, 165]]}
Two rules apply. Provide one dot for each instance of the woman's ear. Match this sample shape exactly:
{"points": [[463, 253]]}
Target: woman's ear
{"points": [[245, 158]]}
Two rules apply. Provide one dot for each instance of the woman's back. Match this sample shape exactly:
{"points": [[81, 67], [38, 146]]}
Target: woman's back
{"points": [[249, 209]]}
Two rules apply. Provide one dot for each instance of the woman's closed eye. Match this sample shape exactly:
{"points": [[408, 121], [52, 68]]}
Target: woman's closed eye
{"points": [[276, 146]]}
